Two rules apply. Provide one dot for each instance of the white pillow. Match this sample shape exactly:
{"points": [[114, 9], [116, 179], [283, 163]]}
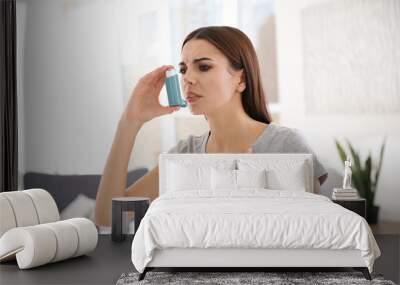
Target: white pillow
{"points": [[186, 177], [289, 179], [81, 206], [251, 178], [236, 179], [223, 179]]}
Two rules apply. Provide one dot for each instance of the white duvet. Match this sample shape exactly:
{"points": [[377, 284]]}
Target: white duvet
{"points": [[251, 218]]}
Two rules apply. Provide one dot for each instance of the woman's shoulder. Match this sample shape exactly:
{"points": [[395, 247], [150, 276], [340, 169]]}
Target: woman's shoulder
{"points": [[282, 130], [192, 144], [289, 134], [280, 138]]}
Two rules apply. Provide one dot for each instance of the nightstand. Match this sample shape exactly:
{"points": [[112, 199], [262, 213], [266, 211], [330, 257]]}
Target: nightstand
{"points": [[138, 205], [356, 205]]}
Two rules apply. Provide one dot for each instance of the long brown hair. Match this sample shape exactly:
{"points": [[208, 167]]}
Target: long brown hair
{"points": [[237, 47]]}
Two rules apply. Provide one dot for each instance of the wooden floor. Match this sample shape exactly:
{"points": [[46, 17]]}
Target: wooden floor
{"points": [[110, 260], [102, 266]]}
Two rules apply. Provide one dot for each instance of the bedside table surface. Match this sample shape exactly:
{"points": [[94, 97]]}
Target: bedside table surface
{"points": [[130, 199], [356, 199]]}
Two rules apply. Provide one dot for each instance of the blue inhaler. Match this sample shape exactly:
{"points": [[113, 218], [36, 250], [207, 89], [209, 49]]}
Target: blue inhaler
{"points": [[173, 90]]}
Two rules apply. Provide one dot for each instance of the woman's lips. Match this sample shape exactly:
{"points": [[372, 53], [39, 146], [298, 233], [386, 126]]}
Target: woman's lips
{"points": [[193, 99]]}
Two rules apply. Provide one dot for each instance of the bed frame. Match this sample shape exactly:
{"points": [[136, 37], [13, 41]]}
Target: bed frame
{"points": [[247, 259], [260, 259]]}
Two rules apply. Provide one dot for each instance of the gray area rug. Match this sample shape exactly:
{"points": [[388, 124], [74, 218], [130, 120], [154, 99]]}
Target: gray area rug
{"points": [[225, 278]]}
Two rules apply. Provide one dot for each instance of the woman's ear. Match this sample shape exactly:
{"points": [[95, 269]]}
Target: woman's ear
{"points": [[242, 82]]}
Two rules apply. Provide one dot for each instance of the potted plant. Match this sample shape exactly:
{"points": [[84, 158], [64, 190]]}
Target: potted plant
{"points": [[365, 176]]}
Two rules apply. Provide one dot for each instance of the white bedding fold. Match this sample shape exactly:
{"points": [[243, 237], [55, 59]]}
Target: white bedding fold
{"points": [[252, 218]]}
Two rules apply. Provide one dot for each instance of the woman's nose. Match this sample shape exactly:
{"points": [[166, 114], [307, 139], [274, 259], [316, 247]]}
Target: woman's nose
{"points": [[188, 78]]}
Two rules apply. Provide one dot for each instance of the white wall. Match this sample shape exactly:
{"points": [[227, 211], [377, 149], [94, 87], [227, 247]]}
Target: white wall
{"points": [[364, 130], [72, 85]]}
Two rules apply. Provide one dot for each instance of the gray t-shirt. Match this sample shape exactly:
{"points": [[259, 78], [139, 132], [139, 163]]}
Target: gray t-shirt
{"points": [[274, 139]]}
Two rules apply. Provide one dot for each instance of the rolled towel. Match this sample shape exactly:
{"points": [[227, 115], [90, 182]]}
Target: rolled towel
{"points": [[40, 244]]}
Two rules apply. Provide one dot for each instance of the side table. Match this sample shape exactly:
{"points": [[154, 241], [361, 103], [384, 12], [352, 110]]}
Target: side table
{"points": [[356, 205], [138, 205]]}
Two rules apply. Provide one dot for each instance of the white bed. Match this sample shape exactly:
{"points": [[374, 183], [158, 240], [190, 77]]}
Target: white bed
{"points": [[247, 210]]}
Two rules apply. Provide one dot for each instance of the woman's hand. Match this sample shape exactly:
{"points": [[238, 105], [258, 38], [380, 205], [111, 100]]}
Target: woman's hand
{"points": [[144, 102]]}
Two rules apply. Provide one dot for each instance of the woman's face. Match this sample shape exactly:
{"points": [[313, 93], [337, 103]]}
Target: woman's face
{"points": [[208, 81]]}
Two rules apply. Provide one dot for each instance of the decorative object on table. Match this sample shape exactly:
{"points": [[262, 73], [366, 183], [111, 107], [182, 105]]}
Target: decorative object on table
{"points": [[347, 174], [31, 233], [347, 192], [277, 277], [344, 194], [138, 205], [358, 206], [365, 177]]}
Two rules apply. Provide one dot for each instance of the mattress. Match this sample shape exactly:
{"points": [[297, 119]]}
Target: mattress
{"points": [[250, 219]]}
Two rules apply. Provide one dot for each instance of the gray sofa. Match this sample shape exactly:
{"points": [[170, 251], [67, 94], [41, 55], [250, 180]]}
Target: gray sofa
{"points": [[65, 188]]}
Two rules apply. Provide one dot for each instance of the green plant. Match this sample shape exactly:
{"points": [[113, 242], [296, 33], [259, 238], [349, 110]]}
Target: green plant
{"points": [[365, 175]]}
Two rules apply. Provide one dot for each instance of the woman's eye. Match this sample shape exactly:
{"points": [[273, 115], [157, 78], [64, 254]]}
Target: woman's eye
{"points": [[204, 67], [182, 70]]}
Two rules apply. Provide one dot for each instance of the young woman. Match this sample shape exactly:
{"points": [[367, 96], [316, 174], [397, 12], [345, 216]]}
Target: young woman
{"points": [[221, 80]]}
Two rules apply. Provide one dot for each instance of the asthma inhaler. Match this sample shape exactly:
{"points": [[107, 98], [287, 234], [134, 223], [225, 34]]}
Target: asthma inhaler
{"points": [[173, 90]]}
